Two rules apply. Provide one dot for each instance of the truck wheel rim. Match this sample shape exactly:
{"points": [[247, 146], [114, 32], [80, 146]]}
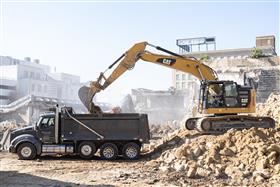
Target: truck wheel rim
{"points": [[26, 152], [131, 152], [86, 150], [108, 152]]}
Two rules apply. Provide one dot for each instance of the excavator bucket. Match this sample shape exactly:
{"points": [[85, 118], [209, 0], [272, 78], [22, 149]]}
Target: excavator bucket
{"points": [[86, 95]]}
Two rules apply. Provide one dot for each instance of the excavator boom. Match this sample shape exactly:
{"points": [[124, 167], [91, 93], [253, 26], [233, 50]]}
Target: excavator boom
{"points": [[127, 61]]}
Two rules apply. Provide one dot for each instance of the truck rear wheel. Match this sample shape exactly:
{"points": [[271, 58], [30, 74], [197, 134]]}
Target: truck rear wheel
{"points": [[131, 151], [87, 149], [26, 151], [109, 151]]}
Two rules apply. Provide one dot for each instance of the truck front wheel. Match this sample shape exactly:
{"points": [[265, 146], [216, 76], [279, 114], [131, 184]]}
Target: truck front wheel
{"points": [[26, 151], [131, 151], [109, 151], [87, 149]]}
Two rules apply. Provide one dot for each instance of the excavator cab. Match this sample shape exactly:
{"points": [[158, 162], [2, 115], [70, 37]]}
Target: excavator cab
{"points": [[222, 95]]}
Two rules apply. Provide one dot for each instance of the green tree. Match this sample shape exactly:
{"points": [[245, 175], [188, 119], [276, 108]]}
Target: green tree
{"points": [[256, 53], [204, 58]]}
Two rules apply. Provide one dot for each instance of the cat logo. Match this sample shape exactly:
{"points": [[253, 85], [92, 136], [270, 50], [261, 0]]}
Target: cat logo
{"points": [[167, 61]]}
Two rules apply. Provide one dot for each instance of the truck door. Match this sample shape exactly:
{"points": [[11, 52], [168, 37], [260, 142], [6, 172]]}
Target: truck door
{"points": [[47, 130]]}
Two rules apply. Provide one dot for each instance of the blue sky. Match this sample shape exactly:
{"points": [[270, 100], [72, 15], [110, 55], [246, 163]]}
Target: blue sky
{"points": [[85, 38]]}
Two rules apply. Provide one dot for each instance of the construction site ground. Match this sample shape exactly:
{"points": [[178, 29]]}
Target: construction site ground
{"points": [[73, 171]]}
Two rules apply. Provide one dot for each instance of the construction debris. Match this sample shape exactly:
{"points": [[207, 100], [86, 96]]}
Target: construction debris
{"points": [[271, 108], [5, 128], [245, 156], [250, 156]]}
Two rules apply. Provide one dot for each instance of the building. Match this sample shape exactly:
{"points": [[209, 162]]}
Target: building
{"points": [[19, 78], [160, 105], [231, 64]]}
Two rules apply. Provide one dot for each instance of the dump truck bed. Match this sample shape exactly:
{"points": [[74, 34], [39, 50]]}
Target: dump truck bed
{"points": [[124, 126]]}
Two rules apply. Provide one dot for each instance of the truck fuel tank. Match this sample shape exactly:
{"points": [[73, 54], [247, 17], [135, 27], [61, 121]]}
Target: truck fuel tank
{"points": [[59, 149]]}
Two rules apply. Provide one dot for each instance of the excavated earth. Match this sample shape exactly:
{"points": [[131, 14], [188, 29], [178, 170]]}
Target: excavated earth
{"points": [[249, 157]]}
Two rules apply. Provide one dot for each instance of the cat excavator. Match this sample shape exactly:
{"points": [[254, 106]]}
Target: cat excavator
{"points": [[223, 105]]}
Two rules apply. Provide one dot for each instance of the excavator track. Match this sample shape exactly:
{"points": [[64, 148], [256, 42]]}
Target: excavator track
{"points": [[221, 124]]}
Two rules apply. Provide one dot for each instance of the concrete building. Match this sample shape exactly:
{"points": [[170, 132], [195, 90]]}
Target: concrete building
{"points": [[19, 78], [160, 105], [28, 88]]}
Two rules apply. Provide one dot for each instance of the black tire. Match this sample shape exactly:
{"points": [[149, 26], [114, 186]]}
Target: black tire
{"points": [[26, 151], [109, 151], [87, 149], [131, 151]]}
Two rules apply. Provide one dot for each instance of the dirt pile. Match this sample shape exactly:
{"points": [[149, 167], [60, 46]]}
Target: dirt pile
{"points": [[242, 156], [160, 130], [271, 108]]}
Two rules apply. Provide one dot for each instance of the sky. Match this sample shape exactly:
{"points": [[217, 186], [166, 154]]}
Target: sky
{"points": [[84, 38]]}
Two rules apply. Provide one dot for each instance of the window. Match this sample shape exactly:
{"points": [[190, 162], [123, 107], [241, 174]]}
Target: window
{"points": [[183, 77], [177, 77], [47, 122], [215, 96], [38, 76], [44, 122], [25, 74], [39, 88], [32, 75], [230, 90], [33, 87], [183, 85], [177, 85]]}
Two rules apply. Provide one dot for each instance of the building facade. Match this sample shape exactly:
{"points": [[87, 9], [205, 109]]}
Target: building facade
{"points": [[19, 78]]}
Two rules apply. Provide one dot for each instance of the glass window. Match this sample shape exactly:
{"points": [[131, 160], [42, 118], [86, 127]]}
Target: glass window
{"points": [[215, 96], [177, 85], [38, 76], [183, 77], [33, 87], [25, 74], [51, 122], [177, 77], [32, 75], [47, 122], [183, 85], [39, 88], [44, 122], [230, 90]]}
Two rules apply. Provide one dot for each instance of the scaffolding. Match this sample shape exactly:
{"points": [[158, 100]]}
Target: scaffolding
{"points": [[196, 44]]}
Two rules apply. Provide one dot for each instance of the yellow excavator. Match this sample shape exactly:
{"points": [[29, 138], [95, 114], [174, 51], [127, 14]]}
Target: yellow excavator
{"points": [[223, 104]]}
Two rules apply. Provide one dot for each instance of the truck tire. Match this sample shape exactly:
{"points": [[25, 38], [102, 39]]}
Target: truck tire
{"points": [[131, 151], [87, 149], [109, 151], [26, 151]]}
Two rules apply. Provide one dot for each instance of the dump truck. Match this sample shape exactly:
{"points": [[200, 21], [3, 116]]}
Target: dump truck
{"points": [[62, 132]]}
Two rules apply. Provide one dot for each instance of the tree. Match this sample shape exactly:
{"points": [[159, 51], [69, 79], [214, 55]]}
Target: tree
{"points": [[256, 53]]}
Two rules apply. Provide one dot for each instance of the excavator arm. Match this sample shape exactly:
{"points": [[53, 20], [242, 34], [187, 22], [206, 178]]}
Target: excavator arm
{"points": [[127, 61]]}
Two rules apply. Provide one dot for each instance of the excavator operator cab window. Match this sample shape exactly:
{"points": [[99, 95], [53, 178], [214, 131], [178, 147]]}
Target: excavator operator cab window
{"points": [[231, 95], [215, 95]]}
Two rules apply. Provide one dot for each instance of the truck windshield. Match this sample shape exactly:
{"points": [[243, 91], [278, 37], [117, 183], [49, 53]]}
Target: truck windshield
{"points": [[39, 121]]}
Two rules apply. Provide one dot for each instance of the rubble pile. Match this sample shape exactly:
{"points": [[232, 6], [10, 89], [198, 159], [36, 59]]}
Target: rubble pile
{"points": [[163, 129], [245, 156], [4, 125], [271, 108]]}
